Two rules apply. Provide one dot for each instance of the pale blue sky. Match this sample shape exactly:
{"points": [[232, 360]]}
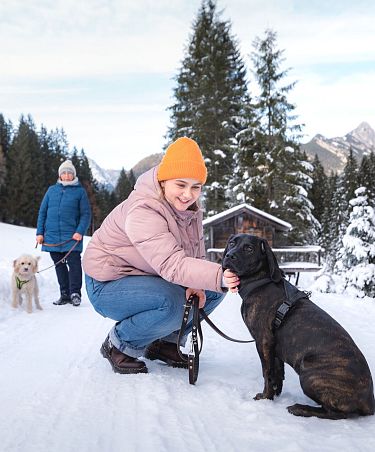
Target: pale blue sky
{"points": [[103, 69]]}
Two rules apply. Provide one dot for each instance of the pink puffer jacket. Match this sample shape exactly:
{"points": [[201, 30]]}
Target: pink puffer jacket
{"points": [[145, 235]]}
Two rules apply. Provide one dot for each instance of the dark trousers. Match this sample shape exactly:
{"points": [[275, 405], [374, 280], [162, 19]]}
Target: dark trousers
{"points": [[69, 273]]}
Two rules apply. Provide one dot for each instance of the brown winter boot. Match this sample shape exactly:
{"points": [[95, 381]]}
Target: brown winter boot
{"points": [[166, 352], [121, 363]]}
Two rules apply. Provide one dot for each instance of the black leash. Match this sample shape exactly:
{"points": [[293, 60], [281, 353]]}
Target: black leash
{"points": [[197, 335]]}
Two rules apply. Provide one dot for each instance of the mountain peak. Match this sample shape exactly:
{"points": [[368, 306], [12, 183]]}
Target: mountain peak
{"points": [[364, 133], [333, 152]]}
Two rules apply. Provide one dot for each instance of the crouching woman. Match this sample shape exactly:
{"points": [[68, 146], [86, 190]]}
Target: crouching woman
{"points": [[147, 258]]}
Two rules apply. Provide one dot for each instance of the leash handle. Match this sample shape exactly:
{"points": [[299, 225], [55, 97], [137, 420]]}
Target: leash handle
{"points": [[56, 244], [196, 337]]}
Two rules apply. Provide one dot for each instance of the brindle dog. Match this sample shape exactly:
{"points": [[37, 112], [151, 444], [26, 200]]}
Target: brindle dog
{"points": [[332, 370]]}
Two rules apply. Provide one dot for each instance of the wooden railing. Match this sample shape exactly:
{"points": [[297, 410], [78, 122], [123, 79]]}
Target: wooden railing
{"points": [[293, 260]]}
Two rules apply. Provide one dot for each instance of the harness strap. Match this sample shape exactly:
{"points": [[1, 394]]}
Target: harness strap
{"points": [[20, 283], [292, 295]]}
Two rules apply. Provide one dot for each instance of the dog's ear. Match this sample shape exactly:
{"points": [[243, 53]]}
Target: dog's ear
{"points": [[14, 263], [275, 272], [35, 264]]}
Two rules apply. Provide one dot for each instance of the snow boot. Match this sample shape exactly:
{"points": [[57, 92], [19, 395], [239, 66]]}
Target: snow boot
{"points": [[121, 363], [64, 299], [75, 299], [166, 352]]}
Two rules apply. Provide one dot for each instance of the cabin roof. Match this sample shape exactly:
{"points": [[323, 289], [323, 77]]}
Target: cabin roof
{"points": [[233, 211]]}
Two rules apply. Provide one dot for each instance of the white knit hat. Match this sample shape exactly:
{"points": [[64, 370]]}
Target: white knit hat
{"points": [[67, 166]]}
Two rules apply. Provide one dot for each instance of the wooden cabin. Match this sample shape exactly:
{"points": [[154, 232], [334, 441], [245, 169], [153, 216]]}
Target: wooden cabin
{"points": [[244, 219], [247, 219]]}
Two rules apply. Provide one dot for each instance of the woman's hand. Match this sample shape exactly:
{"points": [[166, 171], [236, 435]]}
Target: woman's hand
{"points": [[231, 280], [199, 293], [77, 236], [39, 239]]}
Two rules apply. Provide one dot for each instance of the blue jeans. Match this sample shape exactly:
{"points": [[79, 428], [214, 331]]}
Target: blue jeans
{"points": [[146, 308], [69, 272]]}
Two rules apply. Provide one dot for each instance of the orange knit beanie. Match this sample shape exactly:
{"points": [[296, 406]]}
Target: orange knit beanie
{"points": [[183, 159]]}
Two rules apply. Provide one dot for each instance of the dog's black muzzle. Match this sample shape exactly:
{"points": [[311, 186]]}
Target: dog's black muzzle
{"points": [[231, 262]]}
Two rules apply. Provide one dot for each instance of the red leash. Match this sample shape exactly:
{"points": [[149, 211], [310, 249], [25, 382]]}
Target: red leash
{"points": [[59, 244]]}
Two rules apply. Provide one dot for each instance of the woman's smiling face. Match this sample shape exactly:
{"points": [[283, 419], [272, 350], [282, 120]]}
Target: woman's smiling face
{"points": [[181, 193]]}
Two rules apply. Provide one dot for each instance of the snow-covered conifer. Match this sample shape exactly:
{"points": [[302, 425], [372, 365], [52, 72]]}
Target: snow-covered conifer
{"points": [[210, 100], [357, 255]]}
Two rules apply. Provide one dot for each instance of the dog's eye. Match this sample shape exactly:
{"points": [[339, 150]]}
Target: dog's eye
{"points": [[22, 263], [231, 244], [248, 248]]}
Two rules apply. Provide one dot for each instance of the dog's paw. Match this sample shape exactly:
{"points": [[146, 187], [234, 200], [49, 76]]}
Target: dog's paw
{"points": [[262, 396]]}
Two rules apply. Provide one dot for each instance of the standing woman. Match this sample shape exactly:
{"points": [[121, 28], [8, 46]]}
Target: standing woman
{"points": [[64, 216], [147, 258]]}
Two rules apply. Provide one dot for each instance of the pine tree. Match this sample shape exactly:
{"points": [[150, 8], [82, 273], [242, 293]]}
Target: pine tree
{"points": [[282, 172], [338, 216], [5, 141], [366, 176], [106, 201], [24, 187], [209, 100], [329, 225], [318, 190], [124, 186], [87, 180], [54, 146], [244, 186], [350, 178], [357, 255]]}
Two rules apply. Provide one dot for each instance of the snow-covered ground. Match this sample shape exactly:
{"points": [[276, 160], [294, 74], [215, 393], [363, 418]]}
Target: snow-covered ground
{"points": [[58, 394]]}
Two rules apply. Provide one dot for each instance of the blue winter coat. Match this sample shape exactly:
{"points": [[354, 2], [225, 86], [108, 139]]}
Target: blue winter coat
{"points": [[65, 209]]}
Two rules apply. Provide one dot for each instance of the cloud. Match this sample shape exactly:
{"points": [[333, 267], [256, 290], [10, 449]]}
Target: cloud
{"points": [[102, 69]]}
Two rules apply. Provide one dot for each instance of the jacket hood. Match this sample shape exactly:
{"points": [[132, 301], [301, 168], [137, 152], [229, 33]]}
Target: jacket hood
{"points": [[148, 185]]}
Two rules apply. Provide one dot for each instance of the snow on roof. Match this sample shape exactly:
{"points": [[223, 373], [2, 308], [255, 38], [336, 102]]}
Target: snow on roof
{"points": [[228, 212]]}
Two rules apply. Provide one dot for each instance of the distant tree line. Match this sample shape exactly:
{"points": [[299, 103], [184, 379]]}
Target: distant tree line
{"points": [[29, 162], [333, 197]]}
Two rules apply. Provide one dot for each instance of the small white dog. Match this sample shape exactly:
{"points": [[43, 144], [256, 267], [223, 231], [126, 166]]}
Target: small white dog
{"points": [[24, 281]]}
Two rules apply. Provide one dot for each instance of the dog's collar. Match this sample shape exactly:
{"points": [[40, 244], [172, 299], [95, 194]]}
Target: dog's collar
{"points": [[20, 282], [251, 286]]}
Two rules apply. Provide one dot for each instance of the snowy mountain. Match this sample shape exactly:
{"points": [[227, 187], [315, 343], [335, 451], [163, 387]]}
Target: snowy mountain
{"points": [[106, 178], [333, 152]]}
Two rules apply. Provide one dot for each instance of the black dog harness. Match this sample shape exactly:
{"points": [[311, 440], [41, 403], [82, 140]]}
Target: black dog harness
{"points": [[292, 295]]}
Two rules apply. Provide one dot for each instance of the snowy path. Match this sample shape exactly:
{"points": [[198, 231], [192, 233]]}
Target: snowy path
{"points": [[59, 395]]}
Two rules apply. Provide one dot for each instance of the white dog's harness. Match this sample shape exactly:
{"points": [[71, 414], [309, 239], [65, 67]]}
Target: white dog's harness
{"points": [[20, 283]]}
